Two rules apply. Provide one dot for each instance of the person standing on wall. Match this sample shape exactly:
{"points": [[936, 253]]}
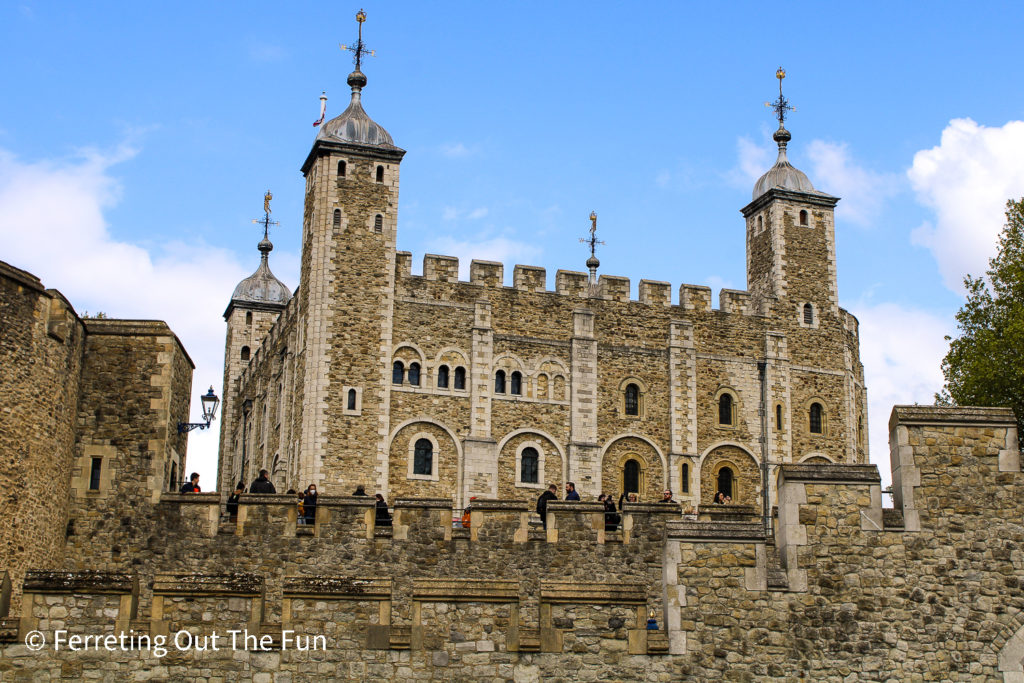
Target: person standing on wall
{"points": [[542, 503]]}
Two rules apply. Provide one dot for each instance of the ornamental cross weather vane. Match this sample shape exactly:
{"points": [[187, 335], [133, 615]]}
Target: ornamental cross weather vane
{"points": [[360, 47], [592, 240], [781, 105], [265, 221]]}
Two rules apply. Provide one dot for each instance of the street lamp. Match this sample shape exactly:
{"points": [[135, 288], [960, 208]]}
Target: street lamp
{"points": [[210, 403]]}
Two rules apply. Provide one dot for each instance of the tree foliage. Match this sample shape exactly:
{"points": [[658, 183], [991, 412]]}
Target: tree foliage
{"points": [[985, 364]]}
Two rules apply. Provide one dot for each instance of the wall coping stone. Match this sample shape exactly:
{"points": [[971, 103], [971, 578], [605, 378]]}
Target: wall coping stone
{"points": [[574, 506], [466, 590], [653, 508], [832, 474], [328, 586], [205, 498], [345, 501], [955, 415], [78, 582], [268, 499], [234, 583], [716, 531], [498, 505], [571, 592], [123, 327], [425, 503]]}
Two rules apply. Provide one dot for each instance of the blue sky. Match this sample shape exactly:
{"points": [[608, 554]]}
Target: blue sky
{"points": [[137, 139]]}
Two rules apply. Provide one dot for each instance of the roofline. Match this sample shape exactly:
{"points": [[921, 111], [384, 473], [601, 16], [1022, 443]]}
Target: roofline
{"points": [[388, 152], [254, 305], [126, 327], [814, 198]]}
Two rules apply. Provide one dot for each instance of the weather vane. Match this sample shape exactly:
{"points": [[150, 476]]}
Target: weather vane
{"points": [[781, 105], [265, 221], [592, 240], [359, 48]]}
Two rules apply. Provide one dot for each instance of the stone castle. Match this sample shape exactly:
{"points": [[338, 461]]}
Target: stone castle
{"points": [[435, 392]]}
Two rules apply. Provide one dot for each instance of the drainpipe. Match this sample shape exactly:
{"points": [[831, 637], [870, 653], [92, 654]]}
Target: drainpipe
{"points": [[763, 412]]}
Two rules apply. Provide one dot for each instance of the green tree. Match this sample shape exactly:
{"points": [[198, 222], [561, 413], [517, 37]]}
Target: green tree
{"points": [[985, 364]]}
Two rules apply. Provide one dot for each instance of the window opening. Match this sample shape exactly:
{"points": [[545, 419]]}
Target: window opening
{"points": [[337, 218], [499, 382], [414, 374], [442, 377], [351, 399], [423, 459], [460, 378], [397, 372], [725, 409], [816, 418], [808, 314], [631, 477], [684, 477], [94, 474], [516, 382], [778, 417], [725, 482], [378, 223], [632, 399], [380, 174], [803, 218], [245, 353], [528, 465], [341, 169]]}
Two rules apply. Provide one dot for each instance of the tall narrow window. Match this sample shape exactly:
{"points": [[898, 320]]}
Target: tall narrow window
{"points": [[442, 377], [760, 223], [725, 482], [684, 478], [860, 432], [499, 382], [725, 409], [351, 399], [803, 218], [414, 374], [778, 417], [248, 318], [94, 474], [341, 169], [172, 485], [245, 353], [397, 372], [516, 383], [337, 218], [423, 458], [808, 314], [528, 466], [460, 377], [380, 174], [632, 399], [378, 223], [631, 477], [815, 418]]}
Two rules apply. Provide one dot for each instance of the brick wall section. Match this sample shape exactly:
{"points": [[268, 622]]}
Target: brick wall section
{"points": [[41, 341]]}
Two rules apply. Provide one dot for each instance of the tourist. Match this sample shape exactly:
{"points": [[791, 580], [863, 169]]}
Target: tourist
{"points": [[309, 504], [611, 516], [466, 514], [542, 503], [666, 496], [232, 506], [728, 500], [262, 484], [383, 518], [570, 492], [192, 485], [719, 498], [360, 491]]}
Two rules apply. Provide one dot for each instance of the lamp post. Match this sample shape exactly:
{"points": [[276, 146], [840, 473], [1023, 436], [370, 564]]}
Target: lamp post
{"points": [[210, 403]]}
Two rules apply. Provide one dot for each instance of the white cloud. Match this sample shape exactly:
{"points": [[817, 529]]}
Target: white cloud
{"points": [[863, 192], [457, 150], [502, 249], [452, 213], [52, 224], [753, 160], [966, 181], [902, 350]]}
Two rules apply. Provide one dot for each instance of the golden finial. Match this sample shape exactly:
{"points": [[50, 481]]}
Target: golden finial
{"points": [[266, 201], [593, 222], [360, 16], [780, 73]]}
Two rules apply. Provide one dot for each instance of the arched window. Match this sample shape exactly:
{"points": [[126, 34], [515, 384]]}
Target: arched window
{"points": [[808, 314], [499, 382], [245, 353], [460, 377], [725, 482], [815, 418], [684, 478], [423, 458], [778, 417], [380, 174], [528, 462], [414, 374], [442, 377], [725, 409], [760, 223], [803, 218], [631, 477], [632, 399], [248, 318], [351, 399], [516, 383], [397, 372], [341, 169], [378, 223], [337, 218]]}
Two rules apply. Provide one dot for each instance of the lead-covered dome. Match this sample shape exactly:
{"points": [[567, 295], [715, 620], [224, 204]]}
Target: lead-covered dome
{"points": [[354, 125], [262, 287], [783, 174]]}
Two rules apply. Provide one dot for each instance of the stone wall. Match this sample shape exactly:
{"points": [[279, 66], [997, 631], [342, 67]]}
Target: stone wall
{"points": [[41, 340], [844, 589]]}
